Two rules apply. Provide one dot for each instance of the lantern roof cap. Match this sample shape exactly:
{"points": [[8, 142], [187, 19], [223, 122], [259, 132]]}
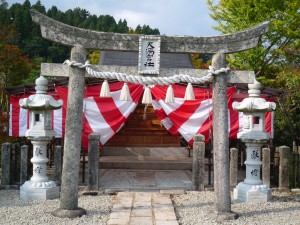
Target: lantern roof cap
{"points": [[40, 100], [254, 103]]}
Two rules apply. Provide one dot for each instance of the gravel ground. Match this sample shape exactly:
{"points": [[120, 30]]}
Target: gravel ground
{"points": [[14, 211], [194, 208]]}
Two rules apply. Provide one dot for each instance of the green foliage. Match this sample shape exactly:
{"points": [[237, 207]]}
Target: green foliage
{"points": [[14, 65], [200, 61], [31, 41], [20, 39], [276, 59], [145, 29], [236, 15], [94, 57], [288, 117], [35, 72]]}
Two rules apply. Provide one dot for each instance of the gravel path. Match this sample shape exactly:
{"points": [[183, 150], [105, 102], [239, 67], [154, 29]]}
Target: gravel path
{"points": [[191, 208], [14, 211], [194, 208]]}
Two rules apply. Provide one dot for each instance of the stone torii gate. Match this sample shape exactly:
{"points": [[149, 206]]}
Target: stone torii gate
{"points": [[81, 39]]}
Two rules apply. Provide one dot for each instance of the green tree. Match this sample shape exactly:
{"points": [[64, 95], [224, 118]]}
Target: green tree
{"points": [[58, 53], [143, 30], [94, 57], [3, 4], [39, 7], [287, 120], [14, 66], [105, 23], [276, 59], [236, 15], [31, 42], [37, 46], [55, 14], [138, 29], [148, 30], [80, 15], [90, 23], [4, 16], [200, 61], [35, 72], [122, 26]]}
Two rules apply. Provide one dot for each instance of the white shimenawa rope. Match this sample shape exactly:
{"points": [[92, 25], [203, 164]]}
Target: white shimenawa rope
{"points": [[149, 80]]}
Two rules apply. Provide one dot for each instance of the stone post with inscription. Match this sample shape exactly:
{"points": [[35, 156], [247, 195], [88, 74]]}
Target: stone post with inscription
{"points": [[233, 167], [57, 164], [40, 132], [284, 154], [5, 164], [198, 163], [254, 136], [71, 159], [93, 162], [266, 166], [24, 166]]}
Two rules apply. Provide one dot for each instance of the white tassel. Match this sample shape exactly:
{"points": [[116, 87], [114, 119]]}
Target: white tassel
{"points": [[125, 93], [105, 92], [147, 97], [170, 95], [189, 92]]}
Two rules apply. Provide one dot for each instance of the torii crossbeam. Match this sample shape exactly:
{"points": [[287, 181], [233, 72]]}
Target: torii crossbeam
{"points": [[81, 39]]}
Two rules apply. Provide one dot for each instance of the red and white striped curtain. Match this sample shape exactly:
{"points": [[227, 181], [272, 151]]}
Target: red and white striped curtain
{"points": [[106, 116]]}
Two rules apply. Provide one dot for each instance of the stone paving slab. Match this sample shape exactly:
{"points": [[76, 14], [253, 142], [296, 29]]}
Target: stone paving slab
{"points": [[142, 208], [145, 179], [120, 215], [163, 222], [113, 221]]}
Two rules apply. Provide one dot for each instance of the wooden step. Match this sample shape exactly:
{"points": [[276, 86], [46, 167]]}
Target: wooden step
{"points": [[146, 162], [144, 151]]}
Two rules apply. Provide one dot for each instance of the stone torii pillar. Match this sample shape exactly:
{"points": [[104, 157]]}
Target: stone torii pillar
{"points": [[72, 145], [219, 45], [221, 143]]}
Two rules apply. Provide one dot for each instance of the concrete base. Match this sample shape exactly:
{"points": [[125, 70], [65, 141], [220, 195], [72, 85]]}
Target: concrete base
{"points": [[223, 216], [67, 213], [252, 193], [29, 191]]}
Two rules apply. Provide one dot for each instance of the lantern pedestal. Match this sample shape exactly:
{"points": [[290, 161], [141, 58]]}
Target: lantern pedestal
{"points": [[39, 187], [252, 189], [252, 193], [29, 193]]}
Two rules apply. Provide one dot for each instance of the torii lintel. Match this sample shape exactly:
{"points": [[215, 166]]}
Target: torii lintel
{"points": [[60, 70], [71, 36]]}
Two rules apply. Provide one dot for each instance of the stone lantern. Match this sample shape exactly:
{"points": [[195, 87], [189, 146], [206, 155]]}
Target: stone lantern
{"points": [[254, 136], [40, 132]]}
